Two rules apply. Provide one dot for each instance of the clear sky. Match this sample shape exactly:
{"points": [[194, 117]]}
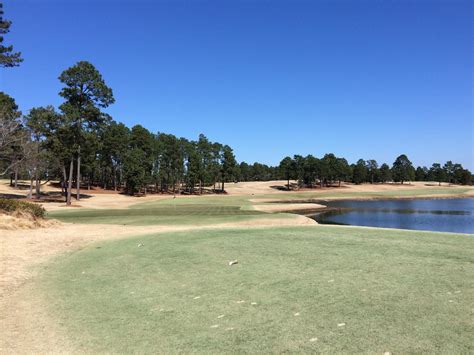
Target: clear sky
{"points": [[361, 79]]}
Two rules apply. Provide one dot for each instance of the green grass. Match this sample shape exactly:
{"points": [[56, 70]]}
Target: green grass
{"points": [[221, 200], [392, 289], [196, 210], [204, 210], [162, 214]]}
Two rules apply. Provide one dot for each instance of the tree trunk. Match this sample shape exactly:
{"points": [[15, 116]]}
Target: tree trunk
{"points": [[288, 185], [223, 183], [78, 192], [69, 185], [30, 193], [63, 185], [38, 185], [16, 177]]}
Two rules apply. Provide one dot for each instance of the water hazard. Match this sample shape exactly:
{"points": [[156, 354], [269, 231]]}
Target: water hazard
{"points": [[443, 215]]}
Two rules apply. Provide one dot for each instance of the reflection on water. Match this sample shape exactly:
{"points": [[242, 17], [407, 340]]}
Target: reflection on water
{"points": [[445, 215]]}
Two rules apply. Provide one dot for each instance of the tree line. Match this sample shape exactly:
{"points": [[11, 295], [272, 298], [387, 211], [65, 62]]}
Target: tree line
{"points": [[82, 146], [310, 171]]}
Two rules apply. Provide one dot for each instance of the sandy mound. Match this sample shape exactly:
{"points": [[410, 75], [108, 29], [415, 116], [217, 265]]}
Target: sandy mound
{"points": [[256, 187]]}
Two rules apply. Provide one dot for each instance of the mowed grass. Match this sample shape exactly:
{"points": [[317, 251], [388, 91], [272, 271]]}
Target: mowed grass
{"points": [[205, 210], [299, 289], [161, 214], [195, 210]]}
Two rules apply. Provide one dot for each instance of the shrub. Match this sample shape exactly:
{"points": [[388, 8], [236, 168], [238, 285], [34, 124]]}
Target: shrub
{"points": [[10, 206]]}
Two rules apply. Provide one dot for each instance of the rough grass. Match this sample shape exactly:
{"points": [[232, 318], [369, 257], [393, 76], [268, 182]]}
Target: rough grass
{"points": [[355, 290]]}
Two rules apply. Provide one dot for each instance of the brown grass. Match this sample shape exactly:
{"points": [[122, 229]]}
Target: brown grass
{"points": [[20, 220]]}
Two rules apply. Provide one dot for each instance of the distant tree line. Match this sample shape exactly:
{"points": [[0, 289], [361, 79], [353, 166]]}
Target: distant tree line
{"points": [[257, 172], [310, 171]]}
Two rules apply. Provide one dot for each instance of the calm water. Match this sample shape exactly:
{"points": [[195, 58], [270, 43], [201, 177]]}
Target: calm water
{"points": [[445, 215]]}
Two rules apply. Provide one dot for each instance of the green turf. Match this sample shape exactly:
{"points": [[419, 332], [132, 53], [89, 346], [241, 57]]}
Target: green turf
{"points": [[397, 291], [214, 209], [193, 214]]}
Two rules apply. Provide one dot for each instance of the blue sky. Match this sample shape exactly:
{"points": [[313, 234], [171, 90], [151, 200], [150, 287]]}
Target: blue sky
{"points": [[361, 79]]}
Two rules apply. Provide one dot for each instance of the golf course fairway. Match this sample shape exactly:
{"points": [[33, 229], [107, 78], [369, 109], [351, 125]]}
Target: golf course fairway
{"points": [[322, 289]]}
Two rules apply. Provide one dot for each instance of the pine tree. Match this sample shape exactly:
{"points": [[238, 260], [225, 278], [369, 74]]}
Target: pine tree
{"points": [[8, 58]]}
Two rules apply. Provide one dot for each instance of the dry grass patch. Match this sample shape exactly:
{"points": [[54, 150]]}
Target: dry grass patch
{"points": [[21, 220]]}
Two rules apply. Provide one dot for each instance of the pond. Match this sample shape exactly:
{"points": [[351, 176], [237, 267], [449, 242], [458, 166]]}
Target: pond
{"points": [[442, 215]]}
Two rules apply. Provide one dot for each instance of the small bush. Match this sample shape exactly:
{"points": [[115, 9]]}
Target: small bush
{"points": [[10, 206]]}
